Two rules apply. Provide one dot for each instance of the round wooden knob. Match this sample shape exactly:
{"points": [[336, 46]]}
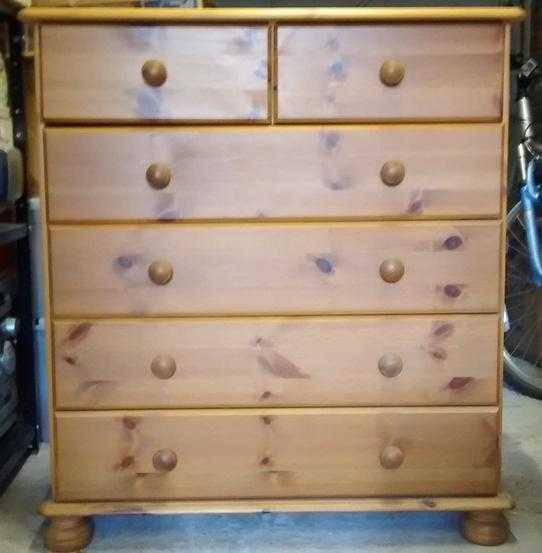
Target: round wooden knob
{"points": [[392, 173], [392, 457], [390, 365], [392, 72], [154, 73], [160, 271], [164, 460], [163, 367], [158, 175], [392, 270]]}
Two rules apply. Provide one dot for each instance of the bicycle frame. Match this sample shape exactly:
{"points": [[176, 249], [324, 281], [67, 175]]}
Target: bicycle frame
{"points": [[531, 199]]}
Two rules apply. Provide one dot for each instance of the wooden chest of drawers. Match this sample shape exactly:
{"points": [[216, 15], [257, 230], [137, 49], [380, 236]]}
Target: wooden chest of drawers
{"points": [[274, 260]]}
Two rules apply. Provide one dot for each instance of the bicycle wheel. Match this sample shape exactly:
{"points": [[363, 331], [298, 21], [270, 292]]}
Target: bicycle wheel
{"points": [[523, 338]]}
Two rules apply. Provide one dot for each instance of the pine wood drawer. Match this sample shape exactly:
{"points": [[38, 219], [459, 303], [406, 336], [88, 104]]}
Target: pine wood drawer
{"points": [[277, 453], [109, 72], [419, 171], [331, 72], [426, 360], [279, 268]]}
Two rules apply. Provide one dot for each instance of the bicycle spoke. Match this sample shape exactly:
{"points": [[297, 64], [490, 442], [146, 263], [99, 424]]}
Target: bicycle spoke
{"points": [[519, 343], [532, 309], [520, 252], [532, 334], [522, 298], [520, 242], [538, 359], [521, 293], [515, 271], [518, 266], [512, 326], [522, 245], [522, 338], [521, 278]]}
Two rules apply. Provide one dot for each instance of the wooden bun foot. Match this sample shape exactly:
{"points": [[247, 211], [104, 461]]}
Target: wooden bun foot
{"points": [[485, 527], [68, 534]]}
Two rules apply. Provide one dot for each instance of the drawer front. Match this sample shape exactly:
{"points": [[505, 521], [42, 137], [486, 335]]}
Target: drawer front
{"points": [[102, 72], [276, 362], [277, 453], [401, 172], [380, 72], [283, 269]]}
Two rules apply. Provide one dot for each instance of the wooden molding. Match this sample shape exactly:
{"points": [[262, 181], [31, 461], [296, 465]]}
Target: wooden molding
{"points": [[502, 501], [307, 15]]}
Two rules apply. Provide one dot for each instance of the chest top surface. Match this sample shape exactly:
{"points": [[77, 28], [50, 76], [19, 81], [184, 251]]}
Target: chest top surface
{"points": [[306, 15]]}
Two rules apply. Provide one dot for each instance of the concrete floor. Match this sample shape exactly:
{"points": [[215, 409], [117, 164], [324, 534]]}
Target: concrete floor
{"points": [[301, 533]]}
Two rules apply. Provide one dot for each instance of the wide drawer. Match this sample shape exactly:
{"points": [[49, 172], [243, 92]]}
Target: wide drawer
{"points": [[278, 268], [276, 453], [449, 171], [102, 72], [425, 360], [353, 72]]}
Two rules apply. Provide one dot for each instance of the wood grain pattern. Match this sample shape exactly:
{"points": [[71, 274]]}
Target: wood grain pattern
{"points": [[277, 453], [213, 73], [252, 173], [452, 72], [283, 269], [276, 362], [309, 444], [35, 138], [350, 504], [504, 208], [225, 15]]}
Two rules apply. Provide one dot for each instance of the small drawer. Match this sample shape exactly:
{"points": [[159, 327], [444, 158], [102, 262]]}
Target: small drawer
{"points": [[118, 73], [383, 72], [427, 360], [339, 452], [451, 171], [309, 268]]}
